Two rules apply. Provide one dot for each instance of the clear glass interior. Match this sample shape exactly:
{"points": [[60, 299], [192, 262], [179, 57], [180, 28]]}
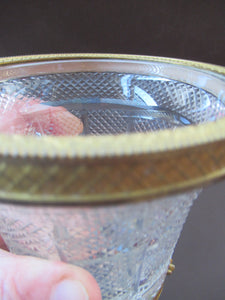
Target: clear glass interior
{"points": [[93, 103]]}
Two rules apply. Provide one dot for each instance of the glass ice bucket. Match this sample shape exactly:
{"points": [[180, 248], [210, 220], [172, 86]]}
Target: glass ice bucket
{"points": [[111, 196]]}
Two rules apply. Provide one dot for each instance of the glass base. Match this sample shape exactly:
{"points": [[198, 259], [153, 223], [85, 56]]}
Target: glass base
{"points": [[126, 247]]}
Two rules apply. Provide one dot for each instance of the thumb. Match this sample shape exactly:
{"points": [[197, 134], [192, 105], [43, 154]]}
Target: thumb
{"points": [[3, 244], [29, 278]]}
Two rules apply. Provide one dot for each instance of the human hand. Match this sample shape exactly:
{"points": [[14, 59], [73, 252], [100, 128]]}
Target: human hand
{"points": [[26, 277], [30, 278]]}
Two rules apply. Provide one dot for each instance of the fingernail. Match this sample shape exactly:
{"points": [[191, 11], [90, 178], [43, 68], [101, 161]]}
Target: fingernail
{"points": [[69, 290]]}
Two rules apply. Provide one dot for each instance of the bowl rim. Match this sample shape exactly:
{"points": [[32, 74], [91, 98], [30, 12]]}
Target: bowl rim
{"points": [[120, 145]]}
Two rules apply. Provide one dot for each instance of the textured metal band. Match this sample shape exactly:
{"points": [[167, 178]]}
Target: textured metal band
{"points": [[104, 169]]}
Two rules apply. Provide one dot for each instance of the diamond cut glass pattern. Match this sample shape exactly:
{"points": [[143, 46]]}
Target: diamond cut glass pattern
{"points": [[106, 102], [126, 247]]}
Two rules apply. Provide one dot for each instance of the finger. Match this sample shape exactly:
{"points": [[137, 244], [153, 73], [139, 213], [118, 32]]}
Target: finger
{"points": [[3, 245], [29, 278]]}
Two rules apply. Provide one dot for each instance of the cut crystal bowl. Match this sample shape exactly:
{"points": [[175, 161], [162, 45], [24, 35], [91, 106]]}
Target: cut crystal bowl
{"points": [[101, 157]]}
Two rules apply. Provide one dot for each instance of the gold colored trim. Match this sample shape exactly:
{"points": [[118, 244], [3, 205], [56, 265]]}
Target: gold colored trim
{"points": [[85, 169], [158, 294], [171, 268], [46, 57]]}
